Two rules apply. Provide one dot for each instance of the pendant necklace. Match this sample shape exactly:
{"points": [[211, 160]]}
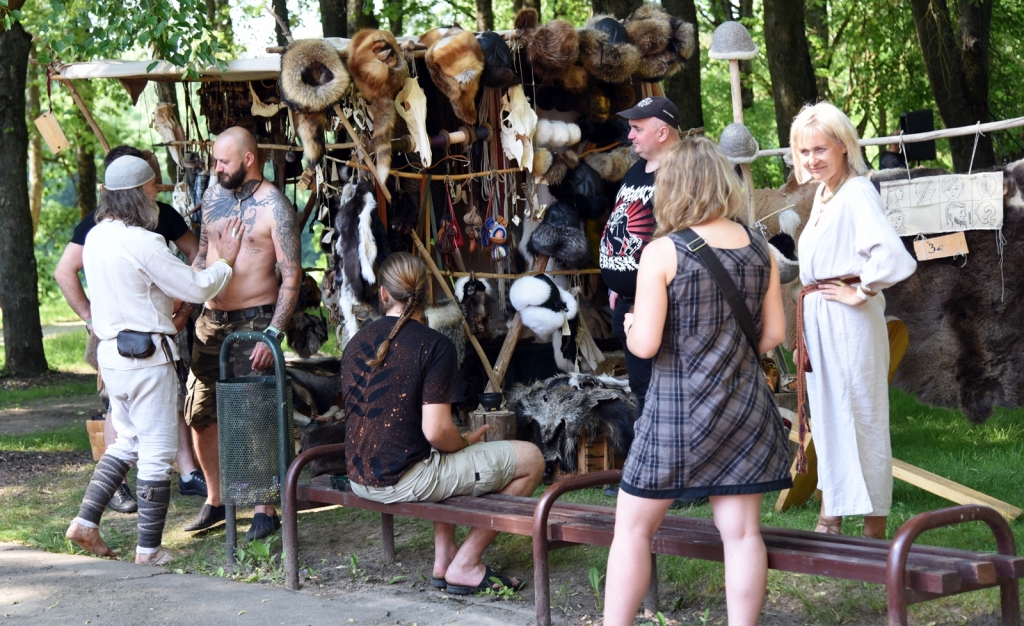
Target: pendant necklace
{"points": [[824, 200], [239, 201]]}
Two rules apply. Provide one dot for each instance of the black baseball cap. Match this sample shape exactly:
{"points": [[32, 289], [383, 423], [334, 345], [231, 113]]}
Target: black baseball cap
{"points": [[656, 106]]}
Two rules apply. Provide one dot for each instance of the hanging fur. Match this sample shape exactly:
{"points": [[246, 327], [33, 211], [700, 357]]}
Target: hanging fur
{"points": [[561, 163], [551, 49], [542, 160], [312, 80], [605, 50], [543, 306], [379, 71], [306, 333], [555, 414], [498, 72], [665, 42], [446, 318], [612, 165], [555, 134], [455, 62], [475, 297], [354, 249], [560, 237]]}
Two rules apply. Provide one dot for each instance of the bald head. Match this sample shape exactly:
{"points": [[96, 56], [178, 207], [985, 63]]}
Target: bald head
{"points": [[236, 157]]}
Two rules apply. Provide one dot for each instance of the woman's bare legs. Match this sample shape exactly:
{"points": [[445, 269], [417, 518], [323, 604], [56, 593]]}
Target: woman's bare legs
{"points": [[629, 562], [738, 519]]}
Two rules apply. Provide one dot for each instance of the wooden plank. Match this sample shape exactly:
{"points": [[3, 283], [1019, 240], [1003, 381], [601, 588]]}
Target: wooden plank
{"points": [[804, 485], [511, 339], [945, 488]]}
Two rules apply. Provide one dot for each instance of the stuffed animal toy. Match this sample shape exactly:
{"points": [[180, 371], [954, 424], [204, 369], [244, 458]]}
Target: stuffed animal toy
{"points": [[456, 63], [312, 80], [378, 69], [665, 42], [605, 50]]}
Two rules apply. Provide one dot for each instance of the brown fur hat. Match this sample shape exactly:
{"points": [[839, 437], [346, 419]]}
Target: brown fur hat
{"points": [[605, 50], [612, 165], [561, 163], [313, 78], [455, 62], [664, 41], [379, 70], [552, 48]]}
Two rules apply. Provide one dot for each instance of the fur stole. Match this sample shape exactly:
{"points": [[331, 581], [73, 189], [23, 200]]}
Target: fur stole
{"points": [[313, 79], [455, 62], [354, 249]]}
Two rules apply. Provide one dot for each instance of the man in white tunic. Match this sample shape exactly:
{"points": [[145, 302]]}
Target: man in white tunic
{"points": [[849, 252]]}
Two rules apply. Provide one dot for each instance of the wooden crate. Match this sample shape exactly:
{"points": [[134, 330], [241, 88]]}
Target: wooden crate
{"points": [[595, 457], [95, 429]]}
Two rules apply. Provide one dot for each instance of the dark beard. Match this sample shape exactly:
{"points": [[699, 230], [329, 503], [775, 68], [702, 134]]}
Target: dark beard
{"points": [[232, 181]]}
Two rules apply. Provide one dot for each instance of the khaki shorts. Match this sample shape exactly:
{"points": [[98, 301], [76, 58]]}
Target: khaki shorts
{"points": [[201, 403], [480, 469]]}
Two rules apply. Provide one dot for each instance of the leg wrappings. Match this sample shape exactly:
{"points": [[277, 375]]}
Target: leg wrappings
{"points": [[153, 497], [106, 478]]}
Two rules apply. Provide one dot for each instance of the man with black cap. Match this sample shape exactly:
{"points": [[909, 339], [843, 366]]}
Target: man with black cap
{"points": [[654, 130]]}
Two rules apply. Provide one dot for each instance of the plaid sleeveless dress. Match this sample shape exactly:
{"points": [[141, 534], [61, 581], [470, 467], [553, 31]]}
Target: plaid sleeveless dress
{"points": [[710, 426]]}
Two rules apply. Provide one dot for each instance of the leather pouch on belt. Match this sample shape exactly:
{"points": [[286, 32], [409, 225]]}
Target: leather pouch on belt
{"points": [[135, 345]]}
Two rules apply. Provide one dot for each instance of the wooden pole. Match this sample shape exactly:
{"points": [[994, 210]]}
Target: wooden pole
{"points": [[737, 91], [512, 338], [88, 116], [465, 325]]}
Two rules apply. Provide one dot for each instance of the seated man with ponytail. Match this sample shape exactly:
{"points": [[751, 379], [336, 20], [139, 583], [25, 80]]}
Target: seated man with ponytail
{"points": [[401, 445]]}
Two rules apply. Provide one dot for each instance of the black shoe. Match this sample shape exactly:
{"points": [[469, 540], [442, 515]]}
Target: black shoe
{"points": [[123, 501], [685, 503], [612, 492], [263, 525], [194, 486], [208, 516]]}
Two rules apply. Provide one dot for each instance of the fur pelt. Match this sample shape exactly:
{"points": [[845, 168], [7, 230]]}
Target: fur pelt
{"points": [[316, 386], [560, 164], [324, 434], [313, 78], [543, 306], [665, 42], [612, 165], [498, 72], [306, 333], [555, 134], [607, 55], [378, 69], [455, 62], [551, 49], [475, 296], [446, 318], [542, 160], [354, 249], [555, 414], [561, 238], [965, 318]]}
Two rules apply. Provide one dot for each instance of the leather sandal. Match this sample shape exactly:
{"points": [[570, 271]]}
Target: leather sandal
{"points": [[829, 525]]}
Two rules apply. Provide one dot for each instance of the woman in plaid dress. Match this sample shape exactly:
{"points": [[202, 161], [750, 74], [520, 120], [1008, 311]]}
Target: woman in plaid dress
{"points": [[710, 426]]}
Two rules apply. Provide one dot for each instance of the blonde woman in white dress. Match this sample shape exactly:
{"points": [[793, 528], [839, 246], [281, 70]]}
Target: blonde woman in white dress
{"points": [[850, 252]]}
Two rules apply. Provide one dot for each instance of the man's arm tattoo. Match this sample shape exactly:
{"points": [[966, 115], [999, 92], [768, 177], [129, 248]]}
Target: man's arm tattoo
{"points": [[199, 263], [289, 258]]}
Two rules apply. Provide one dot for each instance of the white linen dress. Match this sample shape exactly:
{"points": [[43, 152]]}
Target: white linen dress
{"points": [[848, 347]]}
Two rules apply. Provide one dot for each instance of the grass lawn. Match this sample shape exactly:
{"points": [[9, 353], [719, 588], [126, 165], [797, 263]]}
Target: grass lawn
{"points": [[988, 458]]}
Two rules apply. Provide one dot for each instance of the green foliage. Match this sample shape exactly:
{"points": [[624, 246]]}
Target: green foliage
{"points": [[64, 352], [68, 439], [595, 578]]}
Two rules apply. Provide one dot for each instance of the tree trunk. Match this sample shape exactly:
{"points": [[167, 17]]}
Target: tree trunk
{"points": [[19, 281], [683, 88], [396, 24], [484, 15], [618, 8], [281, 8], [218, 17], [816, 14], [525, 4], [789, 62], [747, 66], [958, 71], [35, 161], [167, 93], [358, 18], [86, 163], [333, 18]]}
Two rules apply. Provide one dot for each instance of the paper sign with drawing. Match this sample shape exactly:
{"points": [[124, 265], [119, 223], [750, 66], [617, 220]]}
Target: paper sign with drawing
{"points": [[942, 204]]}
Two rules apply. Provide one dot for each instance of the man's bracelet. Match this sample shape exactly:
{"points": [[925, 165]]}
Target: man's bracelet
{"points": [[468, 442]]}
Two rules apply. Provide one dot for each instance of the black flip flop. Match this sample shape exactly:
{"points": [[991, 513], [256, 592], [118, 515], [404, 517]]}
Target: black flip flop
{"points": [[438, 583], [491, 577]]}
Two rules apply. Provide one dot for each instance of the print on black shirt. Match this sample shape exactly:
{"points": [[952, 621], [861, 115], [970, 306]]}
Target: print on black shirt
{"points": [[629, 229]]}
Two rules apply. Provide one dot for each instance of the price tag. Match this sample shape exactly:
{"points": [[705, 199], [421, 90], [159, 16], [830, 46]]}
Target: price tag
{"points": [[939, 247]]}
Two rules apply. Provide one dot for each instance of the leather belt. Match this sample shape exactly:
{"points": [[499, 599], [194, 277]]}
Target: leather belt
{"points": [[240, 314]]}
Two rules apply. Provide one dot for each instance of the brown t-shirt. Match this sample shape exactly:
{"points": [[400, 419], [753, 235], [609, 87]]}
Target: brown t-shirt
{"points": [[384, 406]]}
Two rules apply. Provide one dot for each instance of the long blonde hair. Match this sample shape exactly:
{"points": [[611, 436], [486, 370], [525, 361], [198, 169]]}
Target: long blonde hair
{"points": [[405, 278], [695, 184], [828, 120]]}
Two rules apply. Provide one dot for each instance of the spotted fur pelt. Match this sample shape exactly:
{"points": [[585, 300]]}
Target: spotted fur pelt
{"points": [[966, 319], [554, 413]]}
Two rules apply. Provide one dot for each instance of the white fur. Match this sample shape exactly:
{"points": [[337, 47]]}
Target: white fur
{"points": [[542, 133], [789, 221], [543, 322], [346, 304], [460, 287], [574, 134], [367, 244], [541, 162], [441, 316], [527, 293]]}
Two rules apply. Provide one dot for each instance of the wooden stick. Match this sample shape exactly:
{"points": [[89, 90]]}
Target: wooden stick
{"points": [[515, 276], [362, 152], [737, 91], [465, 325], [310, 203], [287, 32], [512, 338], [88, 116]]}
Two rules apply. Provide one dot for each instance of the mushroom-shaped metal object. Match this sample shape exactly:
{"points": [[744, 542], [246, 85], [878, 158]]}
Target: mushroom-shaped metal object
{"points": [[731, 42], [740, 147]]}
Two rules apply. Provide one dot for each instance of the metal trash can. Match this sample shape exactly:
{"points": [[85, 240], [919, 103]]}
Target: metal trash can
{"points": [[256, 434]]}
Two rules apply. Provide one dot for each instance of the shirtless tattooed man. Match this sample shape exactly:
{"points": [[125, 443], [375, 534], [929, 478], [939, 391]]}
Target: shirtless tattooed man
{"points": [[253, 301]]}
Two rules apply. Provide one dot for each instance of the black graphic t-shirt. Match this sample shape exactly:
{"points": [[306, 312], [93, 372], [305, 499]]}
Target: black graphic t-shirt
{"points": [[384, 406], [629, 229], [170, 224]]}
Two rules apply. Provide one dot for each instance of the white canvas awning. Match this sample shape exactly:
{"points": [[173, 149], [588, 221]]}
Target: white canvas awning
{"points": [[237, 70]]}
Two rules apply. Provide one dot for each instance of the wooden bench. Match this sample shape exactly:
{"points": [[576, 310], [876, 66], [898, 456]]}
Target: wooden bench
{"points": [[911, 573]]}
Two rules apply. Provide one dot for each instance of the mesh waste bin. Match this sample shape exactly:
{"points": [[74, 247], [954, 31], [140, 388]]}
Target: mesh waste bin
{"points": [[255, 433]]}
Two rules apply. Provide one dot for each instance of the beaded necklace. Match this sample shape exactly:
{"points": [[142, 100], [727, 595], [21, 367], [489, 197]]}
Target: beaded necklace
{"points": [[824, 200]]}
